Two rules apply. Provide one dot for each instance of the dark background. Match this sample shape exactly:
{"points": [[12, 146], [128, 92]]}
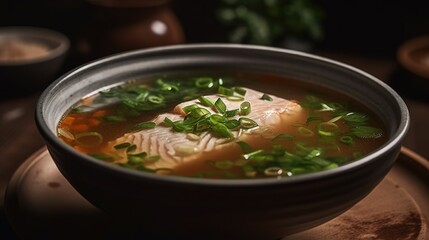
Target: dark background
{"points": [[367, 27]]}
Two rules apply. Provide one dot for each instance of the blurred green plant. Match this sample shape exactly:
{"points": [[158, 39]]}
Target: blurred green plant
{"points": [[271, 22]]}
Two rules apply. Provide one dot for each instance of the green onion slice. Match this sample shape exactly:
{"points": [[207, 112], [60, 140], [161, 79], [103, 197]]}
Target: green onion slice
{"points": [[283, 136], [157, 99], [347, 140], [247, 123], [89, 139], [305, 131], [131, 148], [266, 97], [65, 133], [273, 172], [205, 101], [143, 126], [225, 164], [222, 130], [232, 124], [220, 106], [122, 145], [231, 113], [327, 129], [245, 108], [366, 132], [204, 82], [216, 118], [112, 118], [249, 171], [245, 147], [168, 122], [201, 127], [198, 112], [325, 108], [235, 98], [225, 91], [189, 108], [240, 91], [356, 117]]}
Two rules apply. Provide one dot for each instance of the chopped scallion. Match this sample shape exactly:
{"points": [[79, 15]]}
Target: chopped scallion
{"points": [[225, 91], [235, 98], [245, 147], [220, 106], [247, 123], [273, 171], [283, 136], [305, 131], [155, 99], [204, 82], [122, 145], [205, 101], [245, 108], [225, 164], [347, 140], [189, 108], [131, 148], [112, 118], [143, 126], [198, 112], [266, 97], [89, 139], [168, 122], [232, 124], [222, 130], [240, 90], [327, 129], [366, 132], [355, 117], [231, 113]]}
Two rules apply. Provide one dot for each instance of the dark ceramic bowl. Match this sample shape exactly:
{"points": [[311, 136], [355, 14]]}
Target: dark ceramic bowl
{"points": [[189, 208], [31, 57]]}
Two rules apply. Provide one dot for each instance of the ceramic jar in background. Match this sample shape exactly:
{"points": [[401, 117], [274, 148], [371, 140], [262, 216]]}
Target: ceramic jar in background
{"points": [[122, 25]]}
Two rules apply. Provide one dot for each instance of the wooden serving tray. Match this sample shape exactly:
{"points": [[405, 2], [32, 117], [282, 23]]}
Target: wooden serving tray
{"points": [[40, 202]]}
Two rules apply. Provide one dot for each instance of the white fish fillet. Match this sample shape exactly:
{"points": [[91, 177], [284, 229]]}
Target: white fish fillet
{"points": [[175, 148]]}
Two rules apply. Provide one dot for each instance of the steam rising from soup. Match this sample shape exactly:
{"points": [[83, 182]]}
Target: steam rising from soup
{"points": [[231, 126]]}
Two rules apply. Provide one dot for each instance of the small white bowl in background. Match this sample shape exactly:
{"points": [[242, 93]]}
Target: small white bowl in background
{"points": [[30, 57]]}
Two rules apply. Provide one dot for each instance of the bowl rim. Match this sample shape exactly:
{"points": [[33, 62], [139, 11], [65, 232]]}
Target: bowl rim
{"points": [[394, 140], [404, 55], [39, 32]]}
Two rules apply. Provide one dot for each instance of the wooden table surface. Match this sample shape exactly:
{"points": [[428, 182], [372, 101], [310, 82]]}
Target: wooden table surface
{"points": [[19, 137]]}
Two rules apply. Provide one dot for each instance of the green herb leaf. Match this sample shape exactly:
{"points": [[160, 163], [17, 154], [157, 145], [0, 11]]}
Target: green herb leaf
{"points": [[143, 126]]}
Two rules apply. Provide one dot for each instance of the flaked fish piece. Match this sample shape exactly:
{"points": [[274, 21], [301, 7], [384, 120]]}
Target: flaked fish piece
{"points": [[175, 148]]}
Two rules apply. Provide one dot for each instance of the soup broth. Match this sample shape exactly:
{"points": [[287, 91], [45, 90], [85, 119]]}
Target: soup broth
{"points": [[232, 125]]}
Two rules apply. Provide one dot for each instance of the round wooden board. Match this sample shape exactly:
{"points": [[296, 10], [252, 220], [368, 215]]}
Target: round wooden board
{"points": [[40, 202]]}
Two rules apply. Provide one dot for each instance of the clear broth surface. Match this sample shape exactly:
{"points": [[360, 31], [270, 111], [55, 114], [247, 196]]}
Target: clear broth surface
{"points": [[334, 131]]}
